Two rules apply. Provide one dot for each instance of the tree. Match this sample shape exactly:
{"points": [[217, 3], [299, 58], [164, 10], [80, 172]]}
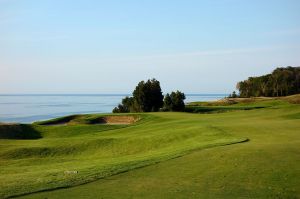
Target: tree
{"points": [[125, 107], [120, 109], [147, 97], [177, 101], [233, 95], [174, 101], [281, 82], [167, 103]]}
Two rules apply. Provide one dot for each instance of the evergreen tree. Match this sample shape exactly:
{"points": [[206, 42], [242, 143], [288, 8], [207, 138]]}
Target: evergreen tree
{"points": [[167, 103], [147, 97], [174, 101]]}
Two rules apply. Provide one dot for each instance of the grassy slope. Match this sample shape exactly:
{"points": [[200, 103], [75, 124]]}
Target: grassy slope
{"points": [[97, 151], [232, 104], [268, 166]]}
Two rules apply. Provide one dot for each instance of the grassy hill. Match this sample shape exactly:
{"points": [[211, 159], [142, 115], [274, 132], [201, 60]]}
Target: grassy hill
{"points": [[234, 154]]}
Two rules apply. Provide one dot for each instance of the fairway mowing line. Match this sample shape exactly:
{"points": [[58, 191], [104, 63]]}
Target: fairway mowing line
{"points": [[134, 167]]}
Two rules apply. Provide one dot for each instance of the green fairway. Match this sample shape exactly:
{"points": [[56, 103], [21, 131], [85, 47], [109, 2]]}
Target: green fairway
{"points": [[98, 150], [214, 161]]}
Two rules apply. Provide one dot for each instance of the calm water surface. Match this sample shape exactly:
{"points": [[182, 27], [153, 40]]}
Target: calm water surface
{"points": [[30, 108]]}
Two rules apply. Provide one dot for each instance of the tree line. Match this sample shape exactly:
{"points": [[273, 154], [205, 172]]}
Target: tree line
{"points": [[282, 81], [148, 97]]}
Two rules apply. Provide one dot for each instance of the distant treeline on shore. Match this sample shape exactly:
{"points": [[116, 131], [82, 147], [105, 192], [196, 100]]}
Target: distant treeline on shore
{"points": [[281, 82]]}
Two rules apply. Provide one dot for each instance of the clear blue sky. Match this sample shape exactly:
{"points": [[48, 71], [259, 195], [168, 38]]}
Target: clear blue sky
{"points": [[85, 46]]}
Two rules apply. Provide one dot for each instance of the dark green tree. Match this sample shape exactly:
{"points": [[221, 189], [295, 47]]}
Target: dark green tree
{"points": [[177, 101], [233, 95], [125, 107], [147, 97], [167, 103], [174, 101], [281, 82]]}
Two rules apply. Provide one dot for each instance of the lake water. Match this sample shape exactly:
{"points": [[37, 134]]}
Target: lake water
{"points": [[30, 108]]}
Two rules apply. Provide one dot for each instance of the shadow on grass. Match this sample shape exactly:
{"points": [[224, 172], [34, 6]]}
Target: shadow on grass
{"points": [[18, 131], [218, 109]]}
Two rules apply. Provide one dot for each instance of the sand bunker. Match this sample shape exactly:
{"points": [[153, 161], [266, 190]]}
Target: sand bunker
{"points": [[116, 120], [83, 119]]}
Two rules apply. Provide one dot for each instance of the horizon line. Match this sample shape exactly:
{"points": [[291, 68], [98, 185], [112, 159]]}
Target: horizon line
{"points": [[90, 94]]}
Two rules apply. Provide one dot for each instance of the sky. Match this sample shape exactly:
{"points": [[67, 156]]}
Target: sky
{"points": [[95, 46]]}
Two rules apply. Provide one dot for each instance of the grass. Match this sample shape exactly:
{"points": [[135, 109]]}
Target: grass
{"points": [[97, 151], [267, 166], [233, 104]]}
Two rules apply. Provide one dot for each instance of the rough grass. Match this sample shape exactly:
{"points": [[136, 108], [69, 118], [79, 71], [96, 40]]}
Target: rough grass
{"points": [[267, 166], [294, 99]]}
